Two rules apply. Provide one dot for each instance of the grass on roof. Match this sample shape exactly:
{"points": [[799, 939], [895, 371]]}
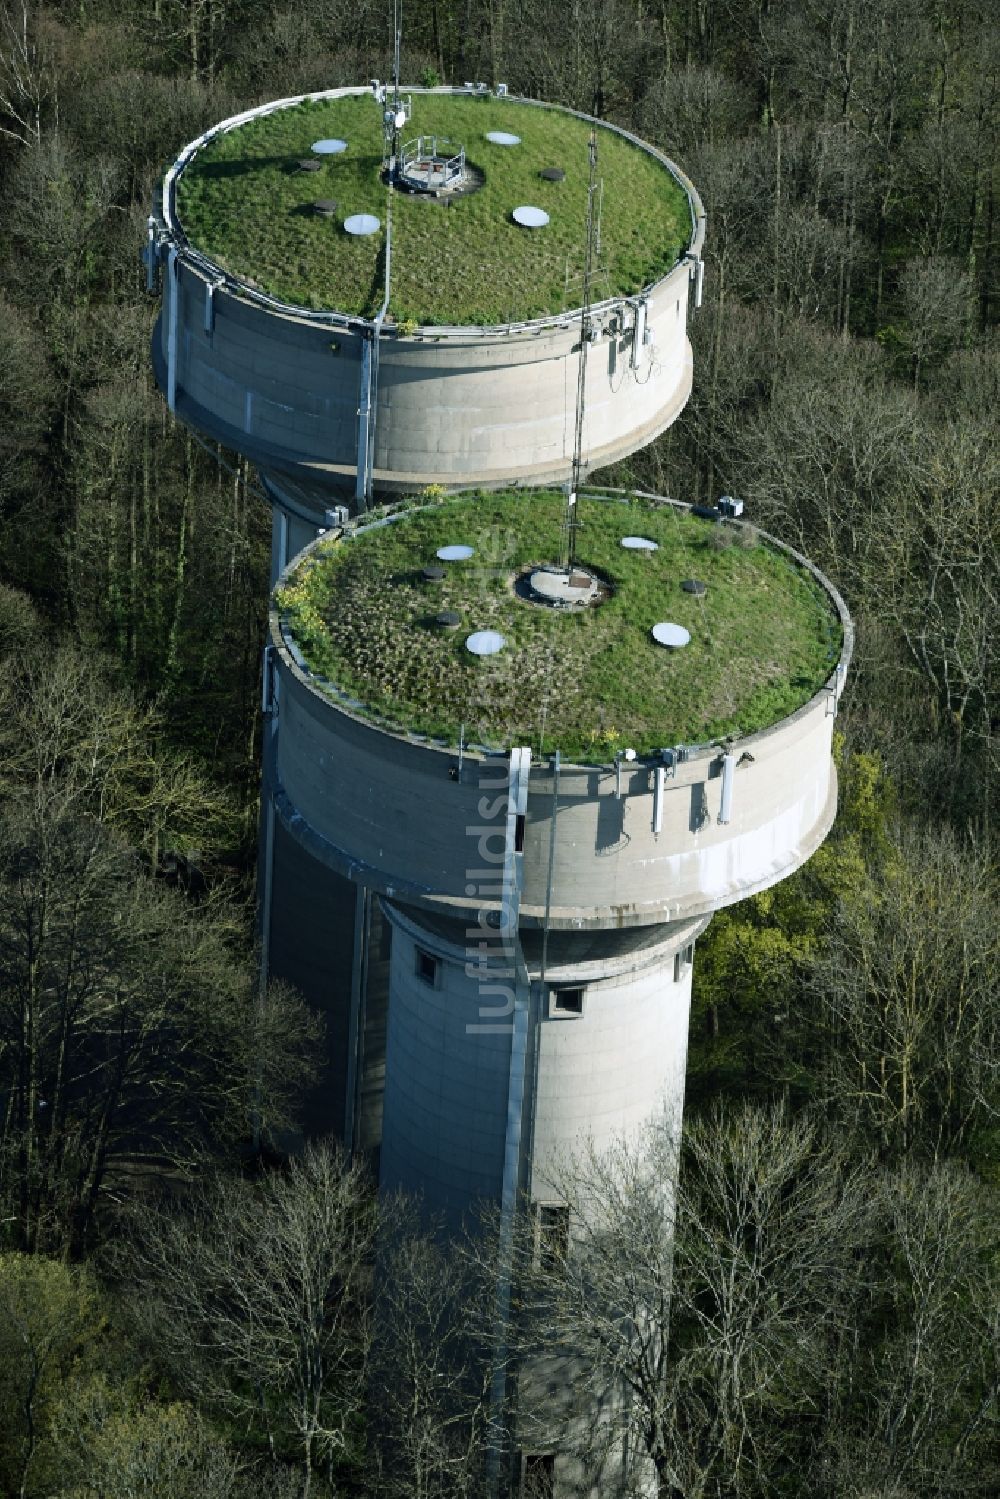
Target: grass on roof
{"points": [[764, 636], [242, 201]]}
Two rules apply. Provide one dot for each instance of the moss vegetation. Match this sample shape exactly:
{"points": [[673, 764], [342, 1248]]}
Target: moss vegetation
{"points": [[764, 635], [244, 202]]}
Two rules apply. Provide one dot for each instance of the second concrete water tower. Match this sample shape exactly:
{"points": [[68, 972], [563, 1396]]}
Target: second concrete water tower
{"points": [[357, 326]]}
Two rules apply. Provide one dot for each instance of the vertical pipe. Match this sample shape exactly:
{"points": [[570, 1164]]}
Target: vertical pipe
{"points": [[728, 773], [552, 864], [150, 254], [359, 984], [282, 541], [364, 419], [659, 788], [639, 334], [369, 383], [173, 286], [269, 702], [517, 803]]}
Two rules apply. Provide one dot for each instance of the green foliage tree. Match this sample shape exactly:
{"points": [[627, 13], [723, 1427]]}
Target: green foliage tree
{"points": [[50, 1319]]}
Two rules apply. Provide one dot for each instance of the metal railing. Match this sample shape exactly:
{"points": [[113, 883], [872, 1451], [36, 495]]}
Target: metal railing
{"points": [[424, 161]]}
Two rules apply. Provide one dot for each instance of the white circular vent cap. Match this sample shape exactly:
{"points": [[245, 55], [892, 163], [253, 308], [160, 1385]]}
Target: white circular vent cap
{"points": [[485, 642], [672, 635], [639, 544], [530, 217], [362, 224], [455, 553], [503, 138], [329, 147]]}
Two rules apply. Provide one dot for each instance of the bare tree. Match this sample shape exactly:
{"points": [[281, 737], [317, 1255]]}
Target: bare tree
{"points": [[27, 78], [915, 1393], [431, 1367], [257, 1299], [685, 1339], [904, 1027]]}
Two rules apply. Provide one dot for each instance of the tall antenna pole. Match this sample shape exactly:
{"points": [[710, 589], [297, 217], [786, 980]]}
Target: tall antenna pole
{"points": [[397, 13], [388, 95], [572, 523]]}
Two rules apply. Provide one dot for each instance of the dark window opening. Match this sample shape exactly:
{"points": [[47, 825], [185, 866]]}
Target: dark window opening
{"points": [[567, 1001], [519, 834], [553, 1234], [427, 967]]}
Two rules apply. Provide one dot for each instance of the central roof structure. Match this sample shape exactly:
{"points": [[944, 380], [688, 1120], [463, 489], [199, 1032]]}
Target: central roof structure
{"points": [[244, 199]]}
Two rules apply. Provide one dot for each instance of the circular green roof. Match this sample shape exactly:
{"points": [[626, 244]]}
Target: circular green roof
{"points": [[245, 198], [765, 635]]}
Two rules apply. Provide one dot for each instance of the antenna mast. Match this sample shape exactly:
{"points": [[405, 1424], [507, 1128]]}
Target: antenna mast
{"points": [[395, 112], [572, 524]]}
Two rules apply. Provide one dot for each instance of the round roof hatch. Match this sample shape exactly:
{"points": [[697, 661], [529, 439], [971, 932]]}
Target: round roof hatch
{"points": [[485, 642], [502, 138], [530, 217], [361, 224], [455, 553], [671, 635], [329, 147]]}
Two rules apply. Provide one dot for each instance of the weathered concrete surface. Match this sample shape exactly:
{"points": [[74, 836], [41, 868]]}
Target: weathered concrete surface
{"points": [[599, 1076], [473, 411], [386, 810]]}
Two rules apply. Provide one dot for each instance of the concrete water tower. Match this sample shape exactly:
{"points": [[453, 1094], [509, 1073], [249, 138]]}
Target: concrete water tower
{"points": [[545, 780], [358, 324]]}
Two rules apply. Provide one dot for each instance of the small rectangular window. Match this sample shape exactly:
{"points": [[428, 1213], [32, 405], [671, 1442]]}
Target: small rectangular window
{"points": [[427, 967], [566, 1002], [552, 1234], [539, 1478]]}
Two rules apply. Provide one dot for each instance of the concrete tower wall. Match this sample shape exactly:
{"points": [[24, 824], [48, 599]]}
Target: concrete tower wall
{"points": [[603, 1075], [478, 409], [445, 1110], [596, 1076]]}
